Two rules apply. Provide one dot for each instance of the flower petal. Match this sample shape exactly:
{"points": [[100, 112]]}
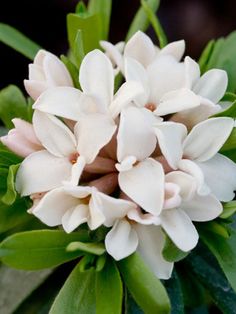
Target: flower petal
{"points": [[175, 49], [141, 48], [220, 176], [97, 78], [122, 240], [151, 244], [113, 52], [41, 172], [203, 208], [93, 132], [207, 137], [180, 229], [135, 136], [212, 85], [74, 217], [192, 72], [54, 135], [35, 88], [170, 136], [144, 184]]}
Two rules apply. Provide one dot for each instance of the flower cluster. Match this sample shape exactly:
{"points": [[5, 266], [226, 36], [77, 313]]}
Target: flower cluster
{"points": [[142, 161]]}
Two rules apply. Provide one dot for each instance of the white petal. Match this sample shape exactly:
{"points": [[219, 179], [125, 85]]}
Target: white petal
{"points": [[74, 217], [141, 48], [137, 215], [41, 172], [53, 206], [35, 88], [61, 101], [220, 176], [76, 172], [97, 77], [112, 51], [151, 244], [144, 184], [170, 138], [78, 192], [212, 85], [180, 229], [203, 208], [135, 136], [175, 49], [176, 101], [172, 196], [54, 135], [93, 132], [36, 73], [207, 137], [192, 72], [121, 241], [96, 216]]}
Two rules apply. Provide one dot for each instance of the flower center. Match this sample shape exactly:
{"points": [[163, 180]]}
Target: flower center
{"points": [[151, 106], [73, 158]]}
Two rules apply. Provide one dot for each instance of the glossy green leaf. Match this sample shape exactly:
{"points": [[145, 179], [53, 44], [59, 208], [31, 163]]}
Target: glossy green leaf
{"points": [[92, 248], [224, 251], [90, 27], [141, 21], [81, 9], [11, 194], [103, 9], [73, 70], [144, 286], [78, 49], [231, 97], [174, 290], [109, 290], [155, 23], [205, 56], [12, 105], [229, 210], [171, 253], [77, 296], [218, 227], [40, 249], [18, 41], [230, 143]]}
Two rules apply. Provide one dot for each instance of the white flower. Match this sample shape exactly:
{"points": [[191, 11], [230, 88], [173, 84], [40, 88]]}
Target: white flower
{"points": [[197, 154], [46, 71]]}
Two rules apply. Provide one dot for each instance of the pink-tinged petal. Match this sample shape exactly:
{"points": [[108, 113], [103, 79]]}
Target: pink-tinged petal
{"points": [[76, 172], [27, 130], [74, 217], [53, 206], [212, 85], [141, 48], [35, 88], [203, 208], [192, 72], [122, 240], [97, 78], [79, 192], [135, 136], [177, 100], [172, 196], [175, 49], [40, 55], [41, 172], [113, 52], [55, 136], [128, 92], [101, 165], [179, 228], [220, 176], [170, 136], [56, 72], [65, 102], [207, 137], [36, 73], [106, 184], [186, 183], [151, 244], [93, 132], [144, 184]]}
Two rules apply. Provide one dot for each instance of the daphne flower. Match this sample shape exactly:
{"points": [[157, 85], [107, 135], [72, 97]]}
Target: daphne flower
{"points": [[22, 139], [141, 48], [46, 71], [197, 154]]}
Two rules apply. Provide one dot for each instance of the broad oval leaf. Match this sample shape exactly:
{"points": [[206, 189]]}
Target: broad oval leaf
{"points": [[10, 196], [171, 253]]}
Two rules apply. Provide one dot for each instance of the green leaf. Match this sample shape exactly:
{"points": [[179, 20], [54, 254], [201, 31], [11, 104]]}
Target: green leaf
{"points": [[171, 253], [11, 194], [155, 23], [224, 251], [230, 144], [7, 158], [40, 249], [77, 296], [144, 286], [141, 21], [173, 287], [90, 27], [228, 210], [12, 105], [217, 227], [92, 248], [229, 112], [73, 70], [109, 290], [103, 9], [81, 9], [231, 97], [78, 49], [205, 56], [18, 41]]}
